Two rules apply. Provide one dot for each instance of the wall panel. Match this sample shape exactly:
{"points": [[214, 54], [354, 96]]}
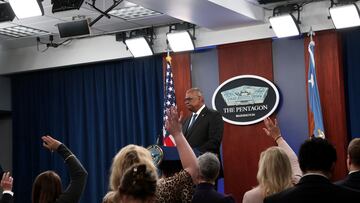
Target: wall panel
{"points": [[242, 144], [289, 77], [330, 79]]}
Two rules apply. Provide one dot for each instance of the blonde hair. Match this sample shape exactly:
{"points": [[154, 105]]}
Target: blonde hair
{"points": [[123, 160], [274, 173]]}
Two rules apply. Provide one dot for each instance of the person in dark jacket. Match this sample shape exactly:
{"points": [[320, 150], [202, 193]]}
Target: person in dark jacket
{"points": [[6, 184], [47, 185], [352, 180], [317, 158], [204, 128], [209, 167]]}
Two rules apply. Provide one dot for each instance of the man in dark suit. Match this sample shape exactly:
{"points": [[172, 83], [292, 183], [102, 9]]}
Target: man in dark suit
{"points": [[352, 180], [6, 184], [316, 158], [204, 129], [209, 167]]}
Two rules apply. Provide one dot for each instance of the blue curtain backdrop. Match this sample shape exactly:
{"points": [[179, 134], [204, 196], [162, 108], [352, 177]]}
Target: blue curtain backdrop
{"points": [[95, 110], [351, 44]]}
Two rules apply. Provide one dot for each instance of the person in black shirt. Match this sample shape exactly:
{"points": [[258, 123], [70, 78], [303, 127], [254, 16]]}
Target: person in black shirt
{"points": [[47, 185]]}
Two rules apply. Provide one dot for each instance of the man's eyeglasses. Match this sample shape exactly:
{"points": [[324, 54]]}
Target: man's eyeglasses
{"points": [[190, 98]]}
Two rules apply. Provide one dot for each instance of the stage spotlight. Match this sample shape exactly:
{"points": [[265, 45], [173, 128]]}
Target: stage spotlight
{"points": [[284, 26], [138, 42], [345, 16], [74, 28], [6, 13], [180, 41], [179, 38], [64, 5], [139, 47], [283, 22], [27, 8]]}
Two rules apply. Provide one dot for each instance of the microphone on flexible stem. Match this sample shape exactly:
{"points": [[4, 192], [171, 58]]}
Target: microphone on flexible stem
{"points": [[159, 140]]}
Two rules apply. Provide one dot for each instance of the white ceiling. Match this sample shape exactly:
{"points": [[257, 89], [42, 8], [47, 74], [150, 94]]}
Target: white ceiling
{"points": [[211, 14]]}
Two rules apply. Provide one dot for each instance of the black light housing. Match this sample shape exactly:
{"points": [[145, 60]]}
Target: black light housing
{"points": [[26, 9], [64, 5], [138, 42], [74, 28], [283, 23], [179, 37], [344, 14], [6, 12]]}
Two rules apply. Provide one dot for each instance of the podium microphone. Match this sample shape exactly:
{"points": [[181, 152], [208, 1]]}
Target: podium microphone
{"points": [[159, 140]]}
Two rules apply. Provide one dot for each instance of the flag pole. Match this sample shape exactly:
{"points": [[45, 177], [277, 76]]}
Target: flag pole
{"points": [[167, 49], [316, 123], [168, 57], [311, 33], [170, 98]]}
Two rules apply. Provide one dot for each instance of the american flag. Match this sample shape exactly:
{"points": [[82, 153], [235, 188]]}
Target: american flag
{"points": [[169, 101]]}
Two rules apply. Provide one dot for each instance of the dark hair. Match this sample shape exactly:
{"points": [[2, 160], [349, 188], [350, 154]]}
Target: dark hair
{"points": [[209, 166], [138, 182], [317, 154], [354, 151], [46, 187]]}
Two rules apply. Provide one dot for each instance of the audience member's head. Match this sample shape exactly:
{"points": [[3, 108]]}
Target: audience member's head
{"points": [[353, 160], [209, 167], [138, 185], [274, 173], [46, 187], [124, 159], [317, 155]]}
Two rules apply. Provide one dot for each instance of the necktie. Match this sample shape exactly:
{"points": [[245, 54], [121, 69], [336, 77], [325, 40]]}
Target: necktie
{"points": [[192, 121]]}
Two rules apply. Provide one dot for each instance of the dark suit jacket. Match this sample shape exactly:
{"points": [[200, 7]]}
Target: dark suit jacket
{"points": [[206, 133], [6, 198], [205, 192], [315, 189], [351, 181]]}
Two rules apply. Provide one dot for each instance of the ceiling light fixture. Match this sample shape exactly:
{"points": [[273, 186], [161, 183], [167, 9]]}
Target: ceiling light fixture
{"points": [[139, 47], [26, 9], [344, 16], [61, 5], [133, 12], [138, 42], [6, 13], [21, 31], [179, 38], [283, 22]]}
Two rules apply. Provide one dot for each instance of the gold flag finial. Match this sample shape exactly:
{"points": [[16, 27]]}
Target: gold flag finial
{"points": [[168, 58]]}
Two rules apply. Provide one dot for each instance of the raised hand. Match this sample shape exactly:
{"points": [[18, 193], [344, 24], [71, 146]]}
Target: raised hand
{"points": [[6, 181], [272, 129], [50, 143], [173, 124]]}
